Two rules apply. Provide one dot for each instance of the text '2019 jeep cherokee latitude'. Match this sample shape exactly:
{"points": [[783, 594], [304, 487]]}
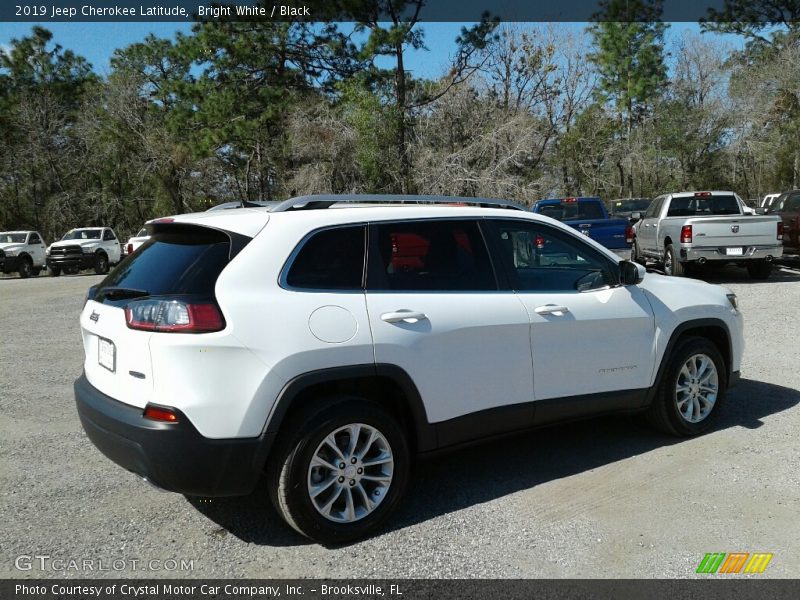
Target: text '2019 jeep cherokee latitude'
{"points": [[325, 348]]}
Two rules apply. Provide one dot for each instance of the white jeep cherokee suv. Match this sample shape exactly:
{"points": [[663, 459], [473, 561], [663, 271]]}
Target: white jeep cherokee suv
{"points": [[325, 348]]}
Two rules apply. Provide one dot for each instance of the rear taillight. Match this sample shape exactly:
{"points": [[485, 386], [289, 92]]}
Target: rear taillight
{"points": [[686, 234], [160, 413], [780, 230], [539, 242], [130, 248], [629, 234], [171, 315]]}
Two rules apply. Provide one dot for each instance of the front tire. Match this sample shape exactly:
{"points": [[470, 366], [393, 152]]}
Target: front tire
{"points": [[328, 502], [672, 265], [25, 268], [101, 264], [691, 390], [54, 271], [759, 270]]}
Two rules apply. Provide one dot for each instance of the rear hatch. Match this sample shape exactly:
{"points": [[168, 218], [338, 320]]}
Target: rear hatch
{"points": [[166, 286]]}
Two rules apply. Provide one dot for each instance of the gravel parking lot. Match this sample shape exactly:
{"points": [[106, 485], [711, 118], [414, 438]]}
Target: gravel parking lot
{"points": [[604, 498]]}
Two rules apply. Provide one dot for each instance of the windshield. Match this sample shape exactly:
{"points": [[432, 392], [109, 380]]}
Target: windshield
{"points": [[82, 234], [573, 211], [12, 238], [691, 206], [632, 205]]}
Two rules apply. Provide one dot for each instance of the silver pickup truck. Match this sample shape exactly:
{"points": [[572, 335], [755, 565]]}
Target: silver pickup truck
{"points": [[693, 228]]}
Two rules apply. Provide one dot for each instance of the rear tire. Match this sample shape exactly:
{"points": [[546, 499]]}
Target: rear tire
{"points": [[101, 264], [672, 265], [759, 269], [25, 267], [348, 505], [54, 271], [687, 403]]}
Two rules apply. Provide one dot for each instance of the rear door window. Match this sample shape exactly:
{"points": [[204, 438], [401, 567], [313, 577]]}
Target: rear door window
{"points": [[443, 256]]}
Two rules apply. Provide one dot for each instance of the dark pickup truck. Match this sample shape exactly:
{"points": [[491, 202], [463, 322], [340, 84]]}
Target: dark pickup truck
{"points": [[589, 216], [787, 207]]}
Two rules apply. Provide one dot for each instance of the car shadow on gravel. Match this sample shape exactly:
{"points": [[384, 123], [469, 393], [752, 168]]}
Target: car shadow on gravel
{"points": [[492, 470]]}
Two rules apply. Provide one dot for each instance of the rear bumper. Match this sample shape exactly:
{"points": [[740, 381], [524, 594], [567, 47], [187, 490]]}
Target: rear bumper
{"points": [[718, 253], [623, 253], [172, 456]]}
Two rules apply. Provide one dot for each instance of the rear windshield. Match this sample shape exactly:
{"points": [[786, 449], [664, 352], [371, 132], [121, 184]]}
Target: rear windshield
{"points": [[630, 205], [692, 206], [573, 211], [186, 262]]}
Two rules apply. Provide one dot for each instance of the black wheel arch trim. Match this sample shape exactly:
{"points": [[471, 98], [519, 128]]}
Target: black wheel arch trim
{"points": [[677, 333], [424, 431]]}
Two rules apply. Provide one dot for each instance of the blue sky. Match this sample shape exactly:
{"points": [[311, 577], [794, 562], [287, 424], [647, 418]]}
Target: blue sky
{"points": [[97, 41]]}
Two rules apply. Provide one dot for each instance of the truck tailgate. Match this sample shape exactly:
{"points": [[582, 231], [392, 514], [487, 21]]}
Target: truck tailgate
{"points": [[745, 230]]}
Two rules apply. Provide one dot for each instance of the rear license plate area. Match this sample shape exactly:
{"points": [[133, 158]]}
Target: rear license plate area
{"points": [[106, 354], [734, 251]]}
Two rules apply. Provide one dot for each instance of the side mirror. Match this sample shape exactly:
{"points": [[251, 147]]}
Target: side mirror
{"points": [[631, 273], [761, 210], [637, 216]]}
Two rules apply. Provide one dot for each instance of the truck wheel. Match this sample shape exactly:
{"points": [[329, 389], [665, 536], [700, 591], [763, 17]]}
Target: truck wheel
{"points": [[25, 267], [101, 264], [636, 254], [37, 271], [340, 471], [53, 271], [672, 266], [759, 269], [691, 390]]}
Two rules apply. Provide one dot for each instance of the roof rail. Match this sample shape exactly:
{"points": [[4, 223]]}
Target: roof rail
{"points": [[328, 200]]}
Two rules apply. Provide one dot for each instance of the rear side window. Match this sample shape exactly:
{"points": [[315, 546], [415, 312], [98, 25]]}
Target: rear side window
{"points": [[187, 261], [703, 205], [332, 259], [430, 256]]}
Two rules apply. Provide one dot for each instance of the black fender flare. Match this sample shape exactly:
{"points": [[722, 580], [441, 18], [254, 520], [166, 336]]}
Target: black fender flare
{"points": [[676, 334], [424, 431]]}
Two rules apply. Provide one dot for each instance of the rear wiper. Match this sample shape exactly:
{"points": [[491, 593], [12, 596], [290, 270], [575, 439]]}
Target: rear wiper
{"points": [[118, 293]]}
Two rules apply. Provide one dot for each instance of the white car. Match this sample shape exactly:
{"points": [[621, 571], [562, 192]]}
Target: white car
{"points": [[136, 241], [323, 349], [23, 252], [84, 248]]}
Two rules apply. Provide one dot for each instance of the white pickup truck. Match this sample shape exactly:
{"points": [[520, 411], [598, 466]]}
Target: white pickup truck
{"points": [[84, 248], [694, 228], [21, 251]]}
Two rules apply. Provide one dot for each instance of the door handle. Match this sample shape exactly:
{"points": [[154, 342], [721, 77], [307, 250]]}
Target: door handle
{"points": [[407, 316], [549, 309]]}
